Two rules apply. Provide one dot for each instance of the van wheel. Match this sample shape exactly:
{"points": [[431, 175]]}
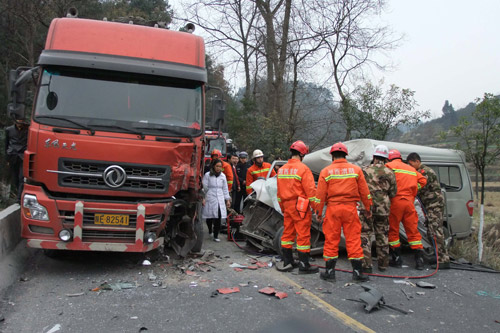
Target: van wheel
{"points": [[277, 241]]}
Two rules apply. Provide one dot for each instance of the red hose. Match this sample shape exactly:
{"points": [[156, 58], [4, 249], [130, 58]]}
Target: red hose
{"points": [[370, 274]]}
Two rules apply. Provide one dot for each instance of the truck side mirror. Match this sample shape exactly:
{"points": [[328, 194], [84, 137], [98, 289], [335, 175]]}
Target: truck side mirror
{"points": [[218, 113], [18, 78]]}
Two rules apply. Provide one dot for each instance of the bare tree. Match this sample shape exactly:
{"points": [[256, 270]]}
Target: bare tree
{"points": [[350, 42]]}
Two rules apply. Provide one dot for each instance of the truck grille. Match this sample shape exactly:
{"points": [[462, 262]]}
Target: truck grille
{"points": [[152, 222], [90, 174]]}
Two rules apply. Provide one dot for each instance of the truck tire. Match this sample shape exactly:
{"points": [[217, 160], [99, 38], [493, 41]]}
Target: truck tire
{"points": [[277, 240], [198, 230]]}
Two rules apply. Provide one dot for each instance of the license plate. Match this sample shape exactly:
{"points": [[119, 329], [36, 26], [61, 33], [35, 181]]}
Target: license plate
{"points": [[111, 219]]}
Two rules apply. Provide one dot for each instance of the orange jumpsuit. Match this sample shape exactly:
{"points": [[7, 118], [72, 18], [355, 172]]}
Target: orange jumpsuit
{"points": [[295, 180], [228, 171], [341, 185], [255, 172], [408, 181]]}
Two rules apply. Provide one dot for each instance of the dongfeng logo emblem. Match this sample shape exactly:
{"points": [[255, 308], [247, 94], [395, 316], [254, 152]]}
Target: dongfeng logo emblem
{"points": [[114, 176]]}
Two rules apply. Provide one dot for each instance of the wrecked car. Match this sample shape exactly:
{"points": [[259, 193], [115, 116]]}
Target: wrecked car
{"points": [[263, 224]]}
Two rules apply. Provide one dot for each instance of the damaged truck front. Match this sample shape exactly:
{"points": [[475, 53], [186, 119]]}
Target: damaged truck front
{"points": [[263, 224], [115, 150]]}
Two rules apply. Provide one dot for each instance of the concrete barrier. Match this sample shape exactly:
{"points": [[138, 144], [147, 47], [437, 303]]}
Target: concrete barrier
{"points": [[13, 252], [10, 229]]}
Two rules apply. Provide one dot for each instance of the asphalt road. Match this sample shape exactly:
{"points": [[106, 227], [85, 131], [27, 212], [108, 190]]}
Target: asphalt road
{"points": [[173, 295]]}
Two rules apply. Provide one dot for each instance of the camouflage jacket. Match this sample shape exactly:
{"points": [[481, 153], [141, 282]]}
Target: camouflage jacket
{"points": [[430, 193], [382, 184]]}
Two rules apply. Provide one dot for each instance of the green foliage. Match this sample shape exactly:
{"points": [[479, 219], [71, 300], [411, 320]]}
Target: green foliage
{"points": [[376, 112], [479, 135], [447, 108]]}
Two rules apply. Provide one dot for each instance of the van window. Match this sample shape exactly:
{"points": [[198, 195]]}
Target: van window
{"points": [[449, 177]]}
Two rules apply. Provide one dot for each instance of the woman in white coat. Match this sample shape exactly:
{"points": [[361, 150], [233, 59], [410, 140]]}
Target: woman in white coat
{"points": [[217, 198]]}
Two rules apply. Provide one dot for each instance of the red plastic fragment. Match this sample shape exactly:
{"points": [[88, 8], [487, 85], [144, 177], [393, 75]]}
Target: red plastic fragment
{"points": [[228, 290], [281, 295], [267, 291], [261, 264], [238, 269], [252, 267]]}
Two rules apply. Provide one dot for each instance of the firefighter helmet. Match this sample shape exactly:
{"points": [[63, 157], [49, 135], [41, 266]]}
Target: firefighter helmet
{"points": [[257, 153], [216, 152], [381, 151], [339, 146], [394, 153], [300, 146]]}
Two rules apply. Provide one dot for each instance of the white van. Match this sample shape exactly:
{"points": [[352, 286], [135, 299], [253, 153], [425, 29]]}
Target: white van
{"points": [[449, 165]]}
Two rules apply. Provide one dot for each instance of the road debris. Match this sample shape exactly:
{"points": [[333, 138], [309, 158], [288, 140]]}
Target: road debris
{"points": [[228, 290], [146, 263], [75, 295], [23, 279], [55, 328], [420, 293], [427, 285], [271, 291], [373, 299], [407, 296], [236, 265], [407, 282], [115, 286]]}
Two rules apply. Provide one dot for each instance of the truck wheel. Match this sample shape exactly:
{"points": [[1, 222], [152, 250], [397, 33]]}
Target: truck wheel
{"points": [[198, 230], [277, 241]]}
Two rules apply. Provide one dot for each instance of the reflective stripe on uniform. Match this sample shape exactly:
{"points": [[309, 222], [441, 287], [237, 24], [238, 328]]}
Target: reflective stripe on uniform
{"points": [[249, 187], [289, 177], [287, 243], [394, 243], [369, 196], [419, 186], [415, 243], [405, 171], [303, 247], [279, 199], [230, 182], [348, 175], [259, 171], [329, 258], [313, 199], [350, 258]]}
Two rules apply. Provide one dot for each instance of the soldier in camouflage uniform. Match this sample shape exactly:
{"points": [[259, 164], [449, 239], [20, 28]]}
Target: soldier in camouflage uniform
{"points": [[433, 201], [382, 184]]}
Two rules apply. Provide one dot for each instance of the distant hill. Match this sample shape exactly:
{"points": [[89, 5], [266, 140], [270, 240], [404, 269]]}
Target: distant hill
{"points": [[429, 133]]}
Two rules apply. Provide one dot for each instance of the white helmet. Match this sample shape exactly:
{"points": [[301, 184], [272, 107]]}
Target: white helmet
{"points": [[381, 151], [257, 153]]}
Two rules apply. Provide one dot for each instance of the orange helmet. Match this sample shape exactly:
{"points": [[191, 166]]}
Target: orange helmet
{"points": [[300, 146], [339, 146], [216, 152], [394, 153]]}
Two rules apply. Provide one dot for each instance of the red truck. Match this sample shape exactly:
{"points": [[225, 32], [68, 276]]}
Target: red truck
{"points": [[116, 142]]}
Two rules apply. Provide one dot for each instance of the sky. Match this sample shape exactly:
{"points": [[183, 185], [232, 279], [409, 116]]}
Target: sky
{"points": [[451, 50]]}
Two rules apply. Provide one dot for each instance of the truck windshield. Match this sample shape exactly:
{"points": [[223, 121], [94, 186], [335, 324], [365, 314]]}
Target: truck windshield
{"points": [[119, 102], [219, 144]]}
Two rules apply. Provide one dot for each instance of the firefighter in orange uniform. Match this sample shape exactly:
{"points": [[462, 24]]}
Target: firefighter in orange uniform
{"points": [[226, 168], [259, 169], [296, 190], [408, 181], [341, 186]]}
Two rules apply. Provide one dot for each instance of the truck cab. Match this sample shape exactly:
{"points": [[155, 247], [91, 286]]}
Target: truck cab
{"points": [[114, 159]]}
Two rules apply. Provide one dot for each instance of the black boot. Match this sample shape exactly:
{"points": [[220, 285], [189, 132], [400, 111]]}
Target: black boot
{"points": [[288, 263], [329, 273], [357, 271], [304, 267], [419, 259], [396, 260]]}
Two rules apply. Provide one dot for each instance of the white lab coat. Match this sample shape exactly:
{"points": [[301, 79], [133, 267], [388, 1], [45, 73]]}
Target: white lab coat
{"points": [[216, 193]]}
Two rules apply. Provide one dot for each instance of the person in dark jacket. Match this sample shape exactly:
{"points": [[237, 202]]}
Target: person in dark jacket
{"points": [[236, 188], [241, 170], [16, 142]]}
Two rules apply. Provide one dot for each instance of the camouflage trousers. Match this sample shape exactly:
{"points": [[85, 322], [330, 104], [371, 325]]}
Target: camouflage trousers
{"points": [[378, 225], [435, 228]]}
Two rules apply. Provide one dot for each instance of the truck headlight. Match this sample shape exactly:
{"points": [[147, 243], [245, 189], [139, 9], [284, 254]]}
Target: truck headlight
{"points": [[33, 210]]}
